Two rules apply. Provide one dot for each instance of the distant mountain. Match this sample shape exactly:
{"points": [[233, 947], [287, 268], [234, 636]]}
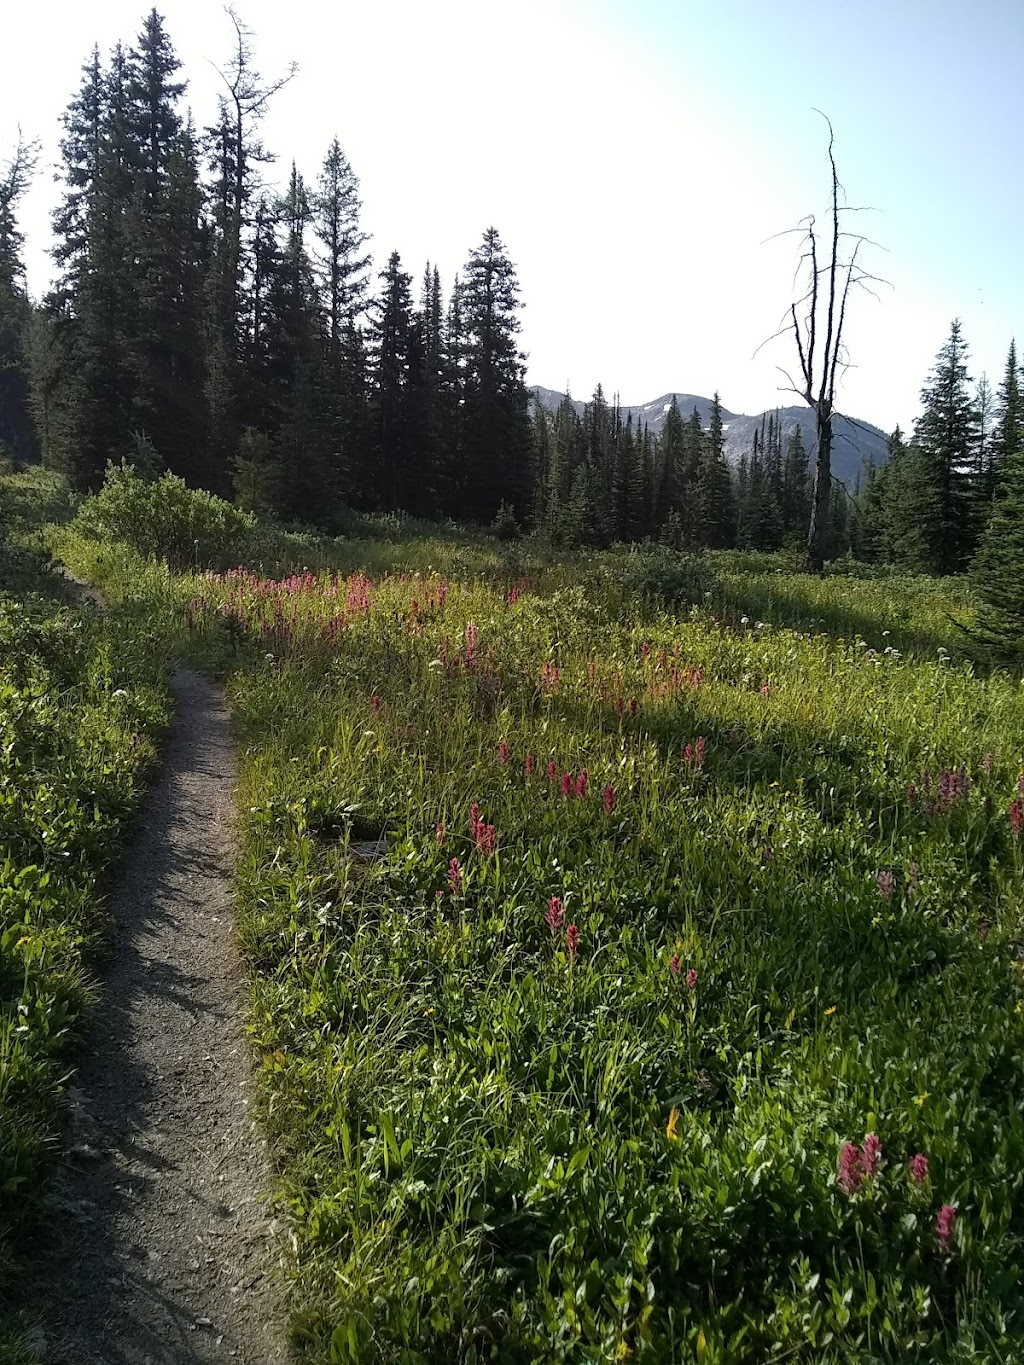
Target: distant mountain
{"points": [[852, 442]]}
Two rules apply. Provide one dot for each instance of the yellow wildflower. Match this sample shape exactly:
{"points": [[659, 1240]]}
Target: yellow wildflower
{"points": [[670, 1128]]}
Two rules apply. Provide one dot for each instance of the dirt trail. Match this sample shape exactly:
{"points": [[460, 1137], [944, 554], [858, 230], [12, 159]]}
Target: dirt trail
{"points": [[162, 1250]]}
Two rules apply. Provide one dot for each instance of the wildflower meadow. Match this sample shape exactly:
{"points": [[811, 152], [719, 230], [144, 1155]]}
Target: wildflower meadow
{"points": [[626, 981]]}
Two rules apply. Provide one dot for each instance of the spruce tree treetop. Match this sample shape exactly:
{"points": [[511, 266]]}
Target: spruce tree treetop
{"points": [[1008, 433], [154, 123], [15, 425], [342, 262], [497, 449], [947, 435]]}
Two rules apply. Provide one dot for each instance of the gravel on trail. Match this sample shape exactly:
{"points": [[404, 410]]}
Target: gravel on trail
{"points": [[159, 1248]]}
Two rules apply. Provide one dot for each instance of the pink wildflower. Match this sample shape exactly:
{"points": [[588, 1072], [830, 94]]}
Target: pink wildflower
{"points": [[688, 754], [919, 1168], [699, 751], [568, 785], [486, 838], [691, 980], [503, 753], [529, 765], [1017, 818], [472, 636], [554, 913], [552, 771], [439, 832], [871, 1156], [619, 707], [513, 596], [945, 1222], [674, 964], [1020, 786], [850, 1173], [766, 689], [549, 676], [634, 706], [885, 884], [582, 784], [572, 941], [609, 799], [455, 876], [375, 703]]}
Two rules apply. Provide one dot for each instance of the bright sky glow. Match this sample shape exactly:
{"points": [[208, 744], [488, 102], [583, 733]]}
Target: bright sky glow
{"points": [[634, 155]]}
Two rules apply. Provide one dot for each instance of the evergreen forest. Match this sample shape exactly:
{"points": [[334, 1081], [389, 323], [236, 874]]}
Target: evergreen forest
{"points": [[247, 340]]}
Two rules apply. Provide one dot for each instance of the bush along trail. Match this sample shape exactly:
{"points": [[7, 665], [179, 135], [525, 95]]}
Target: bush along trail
{"points": [[627, 983]]}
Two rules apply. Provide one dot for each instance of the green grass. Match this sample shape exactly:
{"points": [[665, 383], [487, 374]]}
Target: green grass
{"points": [[495, 1149], [82, 700]]}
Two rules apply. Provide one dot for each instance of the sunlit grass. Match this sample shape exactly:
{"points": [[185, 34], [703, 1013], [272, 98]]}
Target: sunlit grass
{"points": [[796, 898]]}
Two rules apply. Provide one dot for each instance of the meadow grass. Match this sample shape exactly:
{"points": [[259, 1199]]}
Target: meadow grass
{"points": [[82, 702], [682, 1017]]}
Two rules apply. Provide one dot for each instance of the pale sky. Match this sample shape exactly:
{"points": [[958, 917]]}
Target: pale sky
{"points": [[634, 155]]}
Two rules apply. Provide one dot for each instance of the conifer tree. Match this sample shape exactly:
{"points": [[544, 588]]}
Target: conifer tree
{"points": [[342, 259], [235, 152], [716, 514], [868, 543], [452, 474], [394, 439], [542, 464], [292, 369], [164, 251], [566, 457], [795, 496], [428, 396], [598, 438], [671, 467], [911, 507], [496, 437], [998, 571], [342, 264], [946, 435], [1008, 419], [16, 432], [92, 308]]}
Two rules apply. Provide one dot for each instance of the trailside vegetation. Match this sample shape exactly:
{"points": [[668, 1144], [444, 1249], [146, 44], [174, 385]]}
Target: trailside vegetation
{"points": [[82, 703], [633, 973]]}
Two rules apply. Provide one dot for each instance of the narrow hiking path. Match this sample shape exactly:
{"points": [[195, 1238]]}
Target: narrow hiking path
{"points": [[160, 1247]]}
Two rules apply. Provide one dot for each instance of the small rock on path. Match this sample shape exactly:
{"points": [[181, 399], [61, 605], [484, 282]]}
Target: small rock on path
{"points": [[161, 1251]]}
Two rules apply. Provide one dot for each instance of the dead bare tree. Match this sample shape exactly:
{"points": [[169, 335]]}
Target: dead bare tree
{"points": [[816, 321]]}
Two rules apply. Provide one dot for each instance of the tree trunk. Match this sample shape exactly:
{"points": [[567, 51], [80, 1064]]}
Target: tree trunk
{"points": [[822, 491]]}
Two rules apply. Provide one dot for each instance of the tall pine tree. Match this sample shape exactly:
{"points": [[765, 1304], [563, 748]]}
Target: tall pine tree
{"points": [[946, 435], [16, 432], [496, 445]]}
